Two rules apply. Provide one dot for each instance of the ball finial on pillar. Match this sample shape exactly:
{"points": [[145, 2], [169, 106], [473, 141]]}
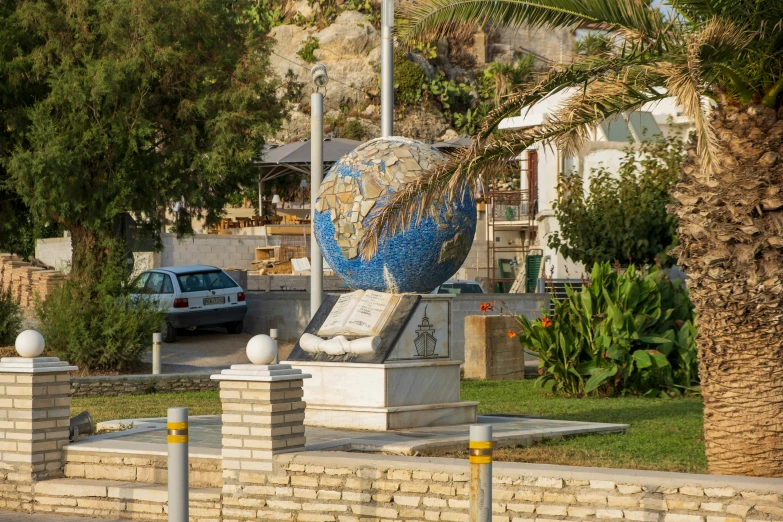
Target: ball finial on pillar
{"points": [[30, 344], [261, 349]]}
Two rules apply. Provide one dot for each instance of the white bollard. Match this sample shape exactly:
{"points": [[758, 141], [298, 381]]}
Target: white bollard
{"points": [[480, 457], [178, 464], [273, 335], [157, 338]]}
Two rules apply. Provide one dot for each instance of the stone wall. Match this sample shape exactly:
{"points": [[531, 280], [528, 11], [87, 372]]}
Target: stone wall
{"points": [[327, 487], [55, 251], [112, 385]]}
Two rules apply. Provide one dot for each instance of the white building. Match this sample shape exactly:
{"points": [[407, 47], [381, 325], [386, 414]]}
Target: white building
{"points": [[511, 252]]}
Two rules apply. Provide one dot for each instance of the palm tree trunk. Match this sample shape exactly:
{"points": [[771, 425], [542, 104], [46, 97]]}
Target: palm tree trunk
{"points": [[731, 246]]}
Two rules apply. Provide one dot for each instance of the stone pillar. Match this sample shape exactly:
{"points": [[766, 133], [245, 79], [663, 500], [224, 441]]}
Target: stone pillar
{"points": [[263, 415], [489, 351], [34, 417]]}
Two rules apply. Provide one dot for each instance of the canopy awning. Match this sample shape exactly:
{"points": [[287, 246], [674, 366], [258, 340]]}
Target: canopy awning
{"points": [[294, 158]]}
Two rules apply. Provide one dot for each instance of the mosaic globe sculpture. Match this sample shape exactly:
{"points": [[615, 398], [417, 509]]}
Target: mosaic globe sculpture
{"points": [[416, 261]]}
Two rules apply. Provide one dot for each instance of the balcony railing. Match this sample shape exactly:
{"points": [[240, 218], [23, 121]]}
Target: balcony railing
{"points": [[512, 205]]}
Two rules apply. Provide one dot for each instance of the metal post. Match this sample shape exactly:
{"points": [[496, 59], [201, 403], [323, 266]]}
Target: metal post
{"points": [[157, 338], [316, 173], [481, 473], [387, 68], [178, 464]]}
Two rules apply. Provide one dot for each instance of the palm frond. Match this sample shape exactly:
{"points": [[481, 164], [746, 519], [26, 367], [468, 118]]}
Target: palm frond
{"points": [[580, 75], [457, 179], [434, 18], [718, 38]]}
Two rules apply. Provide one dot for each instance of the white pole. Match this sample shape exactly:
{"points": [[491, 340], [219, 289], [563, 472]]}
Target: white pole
{"points": [[316, 173], [387, 68], [178, 464], [480, 458], [157, 338], [273, 335]]}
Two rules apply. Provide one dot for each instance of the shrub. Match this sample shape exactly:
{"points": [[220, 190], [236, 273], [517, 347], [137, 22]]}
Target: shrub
{"points": [[307, 51], [623, 215], [409, 77], [94, 322], [628, 331], [352, 130], [10, 318]]}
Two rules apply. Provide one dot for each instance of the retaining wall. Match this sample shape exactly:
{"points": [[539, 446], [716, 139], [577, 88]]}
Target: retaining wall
{"points": [[111, 385], [349, 487], [344, 487]]}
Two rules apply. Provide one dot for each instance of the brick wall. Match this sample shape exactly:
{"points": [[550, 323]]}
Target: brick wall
{"points": [[209, 249], [112, 385], [342, 487]]}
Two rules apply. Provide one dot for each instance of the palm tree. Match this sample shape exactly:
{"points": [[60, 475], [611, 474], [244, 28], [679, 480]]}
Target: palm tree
{"points": [[728, 199]]}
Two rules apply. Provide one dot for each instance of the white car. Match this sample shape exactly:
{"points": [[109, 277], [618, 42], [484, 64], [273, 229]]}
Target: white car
{"points": [[194, 296]]}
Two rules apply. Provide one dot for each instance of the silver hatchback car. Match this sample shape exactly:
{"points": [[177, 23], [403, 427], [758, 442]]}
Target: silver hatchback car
{"points": [[194, 296]]}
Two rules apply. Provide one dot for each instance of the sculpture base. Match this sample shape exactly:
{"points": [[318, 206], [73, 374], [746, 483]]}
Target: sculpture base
{"points": [[389, 396]]}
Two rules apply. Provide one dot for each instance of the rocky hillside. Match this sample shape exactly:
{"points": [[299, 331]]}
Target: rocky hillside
{"points": [[443, 89]]}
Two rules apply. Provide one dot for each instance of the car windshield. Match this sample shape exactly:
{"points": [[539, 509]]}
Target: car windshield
{"points": [[460, 288], [200, 281]]}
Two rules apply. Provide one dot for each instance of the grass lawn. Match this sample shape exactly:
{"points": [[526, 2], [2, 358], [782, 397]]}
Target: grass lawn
{"points": [[665, 435]]}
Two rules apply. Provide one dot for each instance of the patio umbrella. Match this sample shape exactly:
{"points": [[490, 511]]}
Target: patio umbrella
{"points": [[451, 145], [294, 158]]}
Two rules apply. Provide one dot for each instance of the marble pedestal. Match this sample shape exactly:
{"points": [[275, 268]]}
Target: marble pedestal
{"points": [[388, 396]]}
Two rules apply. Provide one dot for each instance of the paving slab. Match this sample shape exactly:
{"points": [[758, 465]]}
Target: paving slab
{"points": [[149, 436]]}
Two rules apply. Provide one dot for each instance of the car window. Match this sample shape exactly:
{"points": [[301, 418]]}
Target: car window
{"points": [[138, 283], [168, 288], [219, 281], [154, 283], [193, 282], [460, 288]]}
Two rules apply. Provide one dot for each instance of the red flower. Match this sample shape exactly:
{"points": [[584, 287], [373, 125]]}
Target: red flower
{"points": [[545, 322], [487, 307], [511, 334]]}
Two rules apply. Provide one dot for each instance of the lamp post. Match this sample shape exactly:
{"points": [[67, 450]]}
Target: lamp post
{"points": [[387, 68], [320, 79]]}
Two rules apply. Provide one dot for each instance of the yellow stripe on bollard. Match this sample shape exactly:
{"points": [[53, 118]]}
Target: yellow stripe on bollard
{"points": [[480, 445], [178, 432], [480, 452], [177, 425], [177, 439]]}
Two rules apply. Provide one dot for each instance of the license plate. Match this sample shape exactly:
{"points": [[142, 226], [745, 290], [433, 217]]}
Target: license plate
{"points": [[214, 300]]}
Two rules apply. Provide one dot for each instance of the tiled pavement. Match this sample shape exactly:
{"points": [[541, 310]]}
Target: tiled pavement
{"points": [[205, 435]]}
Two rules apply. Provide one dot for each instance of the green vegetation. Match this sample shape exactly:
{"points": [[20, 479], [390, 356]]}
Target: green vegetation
{"points": [[665, 435], [308, 48], [594, 44], [10, 318], [121, 106], [409, 77], [622, 217], [93, 321], [145, 406], [626, 331], [351, 129]]}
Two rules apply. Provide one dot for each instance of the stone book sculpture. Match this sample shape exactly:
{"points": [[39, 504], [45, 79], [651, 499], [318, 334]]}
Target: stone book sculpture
{"points": [[362, 326]]}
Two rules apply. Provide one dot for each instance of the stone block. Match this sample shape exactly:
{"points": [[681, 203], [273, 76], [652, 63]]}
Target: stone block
{"points": [[608, 513], [642, 516], [673, 517]]}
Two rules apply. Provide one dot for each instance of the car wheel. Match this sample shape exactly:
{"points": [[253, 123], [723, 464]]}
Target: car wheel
{"points": [[236, 328], [169, 333]]}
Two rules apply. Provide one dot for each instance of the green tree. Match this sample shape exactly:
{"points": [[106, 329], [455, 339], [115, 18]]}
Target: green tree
{"points": [[622, 216], [133, 104], [727, 200]]}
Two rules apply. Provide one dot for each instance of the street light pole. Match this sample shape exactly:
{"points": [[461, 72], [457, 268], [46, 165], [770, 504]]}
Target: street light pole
{"points": [[320, 79], [387, 68]]}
